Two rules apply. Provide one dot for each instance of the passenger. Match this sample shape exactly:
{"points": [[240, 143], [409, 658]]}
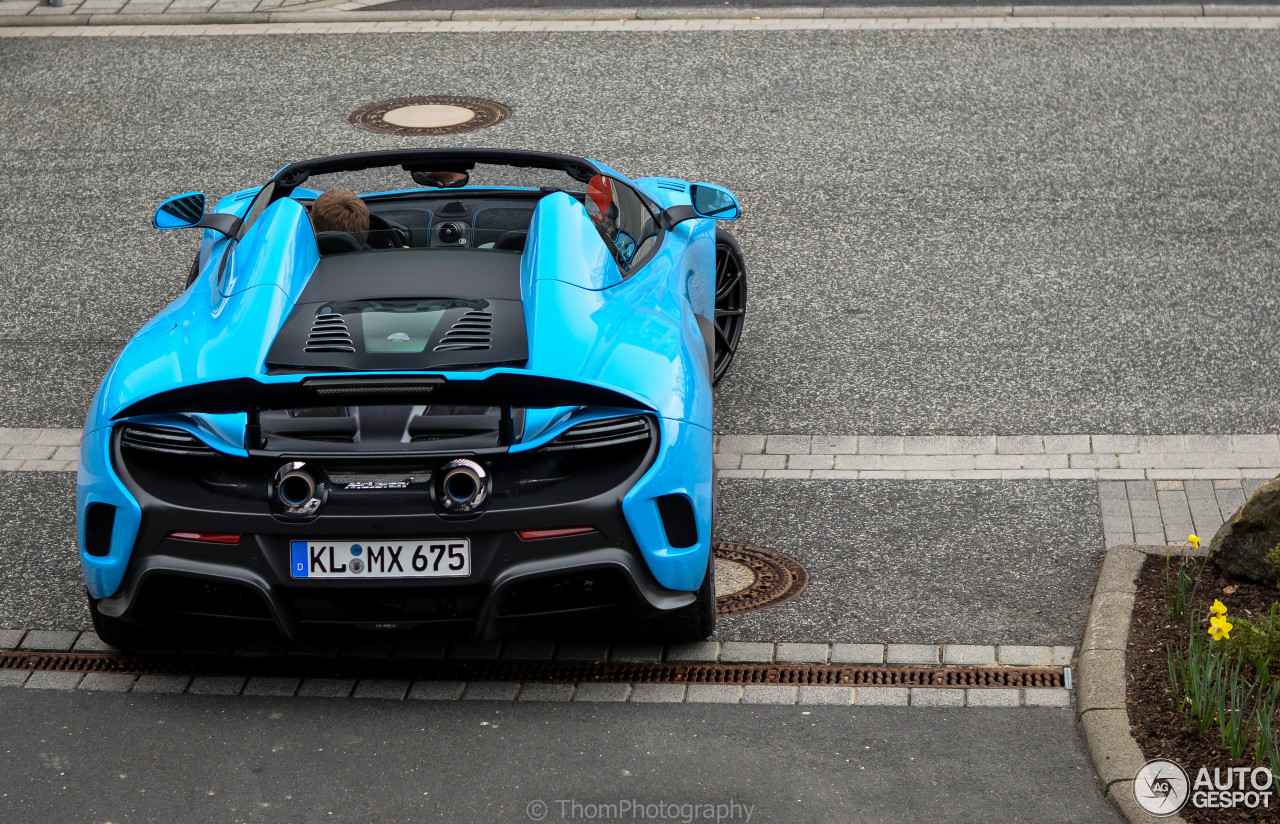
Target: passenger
{"points": [[338, 210]]}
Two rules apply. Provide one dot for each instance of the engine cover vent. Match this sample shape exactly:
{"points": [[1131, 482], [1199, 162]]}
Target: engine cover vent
{"points": [[672, 185], [329, 334], [472, 331]]}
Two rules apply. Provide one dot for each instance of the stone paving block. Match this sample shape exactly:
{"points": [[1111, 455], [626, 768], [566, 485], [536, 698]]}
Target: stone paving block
{"points": [[752, 474], [935, 697], [30, 452], [787, 444], [770, 694], [1051, 461], [636, 653], [216, 685], [1066, 444], [764, 461], [162, 684], [53, 680], [835, 445], [1101, 683], [1047, 698], [972, 444], [386, 689], [911, 654], [788, 474], [952, 462], [601, 692], [694, 651], [52, 640], [1208, 443], [811, 461], [326, 687], [474, 650], [1019, 444], [997, 461], [1161, 443], [1075, 474], [13, 678], [107, 681], [746, 652], [1115, 754], [1231, 484], [1063, 656], [993, 698], [857, 653], [727, 461], [968, 655], [1141, 460], [1115, 443], [713, 694], [911, 462], [742, 444], [588, 651], [882, 696], [1140, 490], [10, 436], [833, 695], [1011, 655], [1094, 461], [529, 649], [436, 690], [90, 642], [1108, 626], [1255, 443], [271, 686], [925, 445], [657, 693], [801, 653], [1112, 491], [546, 692], [11, 638], [879, 445], [490, 691]]}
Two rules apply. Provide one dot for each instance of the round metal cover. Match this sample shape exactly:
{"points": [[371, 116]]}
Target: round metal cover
{"points": [[751, 577], [426, 116]]}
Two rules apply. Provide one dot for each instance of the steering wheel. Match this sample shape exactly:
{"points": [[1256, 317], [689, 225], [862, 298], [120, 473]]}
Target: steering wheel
{"points": [[511, 240], [400, 233]]}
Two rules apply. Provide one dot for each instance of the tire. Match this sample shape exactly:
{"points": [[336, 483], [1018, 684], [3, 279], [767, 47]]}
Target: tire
{"points": [[697, 621], [117, 633], [730, 301]]}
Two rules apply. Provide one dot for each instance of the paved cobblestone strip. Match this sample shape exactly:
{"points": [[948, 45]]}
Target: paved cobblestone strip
{"points": [[1164, 513], [526, 650], [158, 25], [918, 457]]}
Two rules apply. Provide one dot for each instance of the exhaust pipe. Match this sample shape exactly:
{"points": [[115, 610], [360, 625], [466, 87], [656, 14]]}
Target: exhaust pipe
{"points": [[463, 486], [297, 490]]}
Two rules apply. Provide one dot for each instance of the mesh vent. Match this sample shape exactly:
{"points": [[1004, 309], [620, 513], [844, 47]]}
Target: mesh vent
{"points": [[608, 432], [472, 331], [671, 185], [329, 334], [163, 439]]}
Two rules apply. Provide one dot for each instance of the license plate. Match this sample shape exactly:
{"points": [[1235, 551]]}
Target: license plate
{"points": [[441, 558]]}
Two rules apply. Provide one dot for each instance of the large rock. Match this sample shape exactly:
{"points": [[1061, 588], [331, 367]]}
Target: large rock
{"points": [[1243, 543]]}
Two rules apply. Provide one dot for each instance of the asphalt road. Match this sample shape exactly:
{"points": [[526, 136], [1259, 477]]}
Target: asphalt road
{"points": [[196, 759], [924, 562], [947, 232]]}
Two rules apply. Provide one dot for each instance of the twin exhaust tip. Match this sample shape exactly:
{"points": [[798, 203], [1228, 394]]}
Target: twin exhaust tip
{"points": [[461, 486]]}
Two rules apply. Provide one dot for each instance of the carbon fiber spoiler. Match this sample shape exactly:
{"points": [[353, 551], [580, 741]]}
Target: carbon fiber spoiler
{"points": [[503, 389]]}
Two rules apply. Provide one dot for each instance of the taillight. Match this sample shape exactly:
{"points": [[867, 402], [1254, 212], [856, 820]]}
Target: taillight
{"points": [[537, 534], [207, 537]]}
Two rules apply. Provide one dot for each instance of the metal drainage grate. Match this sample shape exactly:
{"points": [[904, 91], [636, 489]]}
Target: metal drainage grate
{"points": [[427, 116], [752, 577], [544, 671]]}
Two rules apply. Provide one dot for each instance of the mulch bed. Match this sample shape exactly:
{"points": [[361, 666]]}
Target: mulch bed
{"points": [[1157, 725]]}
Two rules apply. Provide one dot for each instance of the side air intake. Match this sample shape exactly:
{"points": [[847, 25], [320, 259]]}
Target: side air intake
{"points": [[329, 334], [472, 331], [163, 439], [607, 432]]}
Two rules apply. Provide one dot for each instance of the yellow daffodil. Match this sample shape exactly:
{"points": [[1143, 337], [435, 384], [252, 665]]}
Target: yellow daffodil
{"points": [[1220, 628], [1194, 540], [1218, 608]]}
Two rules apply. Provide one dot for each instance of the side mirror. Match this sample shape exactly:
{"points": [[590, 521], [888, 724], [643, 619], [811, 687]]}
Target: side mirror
{"points": [[180, 212], [716, 202]]}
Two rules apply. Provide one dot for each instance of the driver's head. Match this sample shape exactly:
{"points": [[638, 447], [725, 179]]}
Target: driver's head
{"points": [[338, 210]]}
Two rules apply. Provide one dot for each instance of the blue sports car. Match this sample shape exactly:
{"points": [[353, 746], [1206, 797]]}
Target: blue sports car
{"points": [[491, 408]]}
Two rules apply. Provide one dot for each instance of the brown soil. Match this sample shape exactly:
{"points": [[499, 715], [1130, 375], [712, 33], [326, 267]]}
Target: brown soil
{"points": [[1157, 725]]}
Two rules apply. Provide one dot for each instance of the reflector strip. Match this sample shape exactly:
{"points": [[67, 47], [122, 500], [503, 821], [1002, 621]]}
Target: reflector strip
{"points": [[537, 534], [207, 537]]}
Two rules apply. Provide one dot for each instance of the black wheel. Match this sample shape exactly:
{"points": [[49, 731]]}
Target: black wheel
{"points": [[731, 301], [120, 634]]}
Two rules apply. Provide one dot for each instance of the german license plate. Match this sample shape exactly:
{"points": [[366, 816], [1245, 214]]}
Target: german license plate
{"points": [[435, 558]]}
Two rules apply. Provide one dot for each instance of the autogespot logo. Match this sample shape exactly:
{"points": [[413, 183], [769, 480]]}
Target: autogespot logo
{"points": [[1161, 787]]}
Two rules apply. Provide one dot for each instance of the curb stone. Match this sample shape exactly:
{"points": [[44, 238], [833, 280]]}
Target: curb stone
{"points": [[1101, 686]]}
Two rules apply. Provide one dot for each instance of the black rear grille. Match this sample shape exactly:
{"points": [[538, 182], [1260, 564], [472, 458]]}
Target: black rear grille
{"points": [[607, 432], [472, 331], [329, 334], [163, 439]]}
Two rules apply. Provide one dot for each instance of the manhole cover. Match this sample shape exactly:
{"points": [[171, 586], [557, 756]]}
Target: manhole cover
{"points": [[423, 116], [751, 577]]}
